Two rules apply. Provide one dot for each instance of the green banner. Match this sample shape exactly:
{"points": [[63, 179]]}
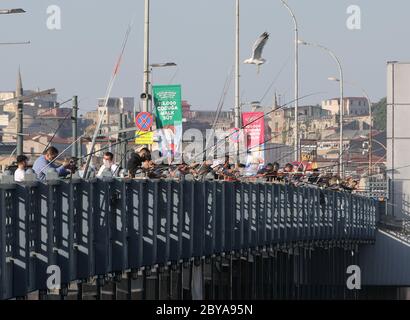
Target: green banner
{"points": [[168, 105]]}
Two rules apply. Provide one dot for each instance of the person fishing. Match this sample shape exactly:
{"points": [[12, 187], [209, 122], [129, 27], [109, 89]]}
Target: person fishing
{"points": [[21, 168], [46, 161], [108, 164], [138, 160]]}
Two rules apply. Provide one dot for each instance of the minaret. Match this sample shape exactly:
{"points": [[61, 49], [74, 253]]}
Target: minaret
{"points": [[19, 87], [20, 104], [275, 106]]}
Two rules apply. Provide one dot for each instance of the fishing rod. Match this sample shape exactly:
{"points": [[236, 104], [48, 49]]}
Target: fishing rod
{"points": [[122, 158], [221, 101], [271, 138], [276, 78], [257, 146], [108, 94], [59, 155], [173, 77], [56, 107], [58, 129], [255, 120], [14, 43], [61, 124], [247, 151], [337, 160], [114, 144], [11, 155], [83, 136], [7, 133], [28, 98]]}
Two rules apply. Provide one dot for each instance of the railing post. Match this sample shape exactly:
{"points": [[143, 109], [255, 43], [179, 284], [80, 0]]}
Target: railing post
{"points": [[8, 219]]}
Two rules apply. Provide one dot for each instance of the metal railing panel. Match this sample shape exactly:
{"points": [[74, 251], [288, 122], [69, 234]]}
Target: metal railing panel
{"points": [[104, 227]]}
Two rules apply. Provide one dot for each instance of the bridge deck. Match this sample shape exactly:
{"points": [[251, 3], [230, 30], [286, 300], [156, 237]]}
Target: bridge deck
{"points": [[97, 228]]}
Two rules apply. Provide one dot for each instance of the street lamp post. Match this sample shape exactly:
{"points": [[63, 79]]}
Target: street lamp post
{"points": [[19, 94], [146, 94], [149, 91], [369, 102], [341, 104], [157, 65], [296, 30], [74, 125], [237, 77]]}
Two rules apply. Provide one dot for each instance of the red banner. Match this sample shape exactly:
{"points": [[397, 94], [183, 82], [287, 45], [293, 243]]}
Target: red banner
{"points": [[254, 128]]}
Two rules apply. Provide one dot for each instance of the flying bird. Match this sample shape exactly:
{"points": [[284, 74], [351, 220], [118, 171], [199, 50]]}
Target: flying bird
{"points": [[257, 51]]}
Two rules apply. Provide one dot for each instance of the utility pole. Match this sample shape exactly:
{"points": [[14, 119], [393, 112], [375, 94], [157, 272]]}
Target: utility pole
{"points": [[74, 123], [146, 97], [369, 102], [342, 110], [122, 138], [296, 79], [20, 124], [125, 142], [370, 136], [120, 135], [19, 92], [237, 79], [341, 171]]}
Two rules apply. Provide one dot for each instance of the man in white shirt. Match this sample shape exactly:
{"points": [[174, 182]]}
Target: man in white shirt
{"points": [[108, 163], [21, 168]]}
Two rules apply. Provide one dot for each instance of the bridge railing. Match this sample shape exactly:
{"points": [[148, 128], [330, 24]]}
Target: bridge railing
{"points": [[96, 228]]}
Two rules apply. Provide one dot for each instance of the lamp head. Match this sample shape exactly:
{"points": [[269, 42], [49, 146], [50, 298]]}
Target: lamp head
{"points": [[161, 65], [12, 11], [333, 79]]}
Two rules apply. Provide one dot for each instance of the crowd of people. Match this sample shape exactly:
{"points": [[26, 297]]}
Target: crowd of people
{"points": [[141, 165]]}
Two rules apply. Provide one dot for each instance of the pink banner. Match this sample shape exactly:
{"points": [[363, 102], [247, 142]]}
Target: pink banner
{"points": [[254, 128]]}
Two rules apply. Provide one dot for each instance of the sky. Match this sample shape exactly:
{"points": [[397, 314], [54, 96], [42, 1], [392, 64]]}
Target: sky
{"points": [[199, 35]]}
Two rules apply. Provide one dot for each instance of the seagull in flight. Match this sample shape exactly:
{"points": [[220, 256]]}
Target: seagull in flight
{"points": [[257, 51]]}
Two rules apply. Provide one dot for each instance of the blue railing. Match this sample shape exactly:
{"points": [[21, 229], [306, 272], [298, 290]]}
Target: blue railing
{"points": [[96, 228]]}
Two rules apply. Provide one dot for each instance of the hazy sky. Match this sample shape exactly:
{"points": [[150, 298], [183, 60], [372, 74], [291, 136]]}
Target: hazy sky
{"points": [[199, 36]]}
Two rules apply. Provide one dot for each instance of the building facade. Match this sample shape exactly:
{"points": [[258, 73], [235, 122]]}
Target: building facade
{"points": [[353, 106]]}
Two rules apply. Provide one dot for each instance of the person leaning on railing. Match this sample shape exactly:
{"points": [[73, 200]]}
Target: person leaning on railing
{"points": [[46, 161], [141, 159], [109, 164], [20, 172]]}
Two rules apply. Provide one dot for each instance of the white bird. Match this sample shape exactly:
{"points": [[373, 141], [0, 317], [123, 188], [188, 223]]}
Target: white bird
{"points": [[257, 51]]}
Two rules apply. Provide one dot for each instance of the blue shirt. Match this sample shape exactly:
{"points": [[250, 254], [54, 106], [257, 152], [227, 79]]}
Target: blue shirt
{"points": [[41, 166]]}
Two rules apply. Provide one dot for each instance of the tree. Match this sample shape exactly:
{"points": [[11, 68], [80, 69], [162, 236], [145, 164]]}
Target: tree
{"points": [[380, 115]]}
